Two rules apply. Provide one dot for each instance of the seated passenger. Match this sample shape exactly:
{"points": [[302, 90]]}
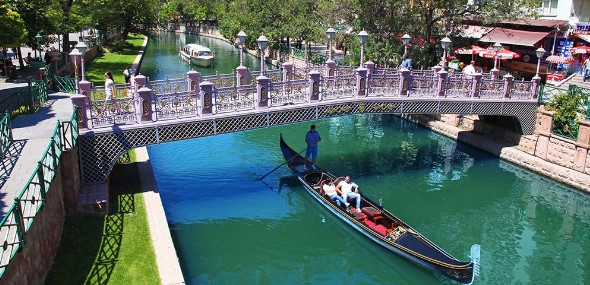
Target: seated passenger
{"points": [[328, 186], [345, 188]]}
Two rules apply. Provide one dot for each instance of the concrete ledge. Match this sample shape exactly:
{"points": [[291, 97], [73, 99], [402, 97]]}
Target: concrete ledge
{"points": [[166, 258]]}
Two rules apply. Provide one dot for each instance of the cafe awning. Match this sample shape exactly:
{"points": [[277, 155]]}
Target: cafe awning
{"points": [[583, 37], [559, 59], [514, 37]]}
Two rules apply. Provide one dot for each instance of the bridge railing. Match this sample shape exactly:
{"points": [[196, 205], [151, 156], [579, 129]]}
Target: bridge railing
{"points": [[193, 95], [18, 220]]}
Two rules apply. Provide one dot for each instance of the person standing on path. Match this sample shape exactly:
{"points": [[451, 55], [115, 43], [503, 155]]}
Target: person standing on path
{"points": [[312, 138], [127, 75]]}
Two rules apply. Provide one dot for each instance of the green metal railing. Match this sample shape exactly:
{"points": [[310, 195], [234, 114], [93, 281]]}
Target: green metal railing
{"points": [[569, 129], [17, 104], [5, 134], [547, 92], [64, 84], [38, 89], [20, 217]]}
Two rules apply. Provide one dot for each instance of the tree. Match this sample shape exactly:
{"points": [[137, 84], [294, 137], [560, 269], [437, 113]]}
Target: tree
{"points": [[13, 30], [427, 21]]}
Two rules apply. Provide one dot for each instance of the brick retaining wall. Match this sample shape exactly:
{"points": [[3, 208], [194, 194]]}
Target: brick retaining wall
{"points": [[558, 158], [32, 263]]}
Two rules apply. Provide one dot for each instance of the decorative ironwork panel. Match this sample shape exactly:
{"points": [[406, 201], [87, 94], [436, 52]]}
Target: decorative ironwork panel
{"points": [[385, 72], [111, 112], [338, 87], [454, 107], [417, 107], [424, 73], [221, 81], [287, 93], [301, 73], [423, 85], [380, 107], [175, 105], [228, 125], [99, 152], [169, 86], [458, 87], [234, 99], [487, 108], [524, 112], [384, 85], [338, 110], [490, 88], [521, 89], [290, 116], [345, 70], [275, 75], [185, 131]]}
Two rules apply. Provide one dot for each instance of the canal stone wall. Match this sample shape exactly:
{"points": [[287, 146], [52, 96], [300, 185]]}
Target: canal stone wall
{"points": [[555, 157], [32, 263]]}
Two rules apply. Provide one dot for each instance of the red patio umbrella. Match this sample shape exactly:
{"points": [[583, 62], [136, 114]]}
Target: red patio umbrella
{"points": [[472, 50], [501, 54], [507, 54], [580, 49]]}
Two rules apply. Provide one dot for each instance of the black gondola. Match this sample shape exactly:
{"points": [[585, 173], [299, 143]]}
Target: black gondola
{"points": [[383, 227]]}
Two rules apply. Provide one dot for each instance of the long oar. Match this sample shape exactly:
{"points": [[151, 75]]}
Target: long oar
{"points": [[282, 164]]}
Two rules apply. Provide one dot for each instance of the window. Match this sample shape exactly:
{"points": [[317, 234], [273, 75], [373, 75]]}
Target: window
{"points": [[549, 7]]}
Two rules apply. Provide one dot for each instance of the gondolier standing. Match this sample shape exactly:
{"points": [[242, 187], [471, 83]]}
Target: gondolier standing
{"points": [[312, 138]]}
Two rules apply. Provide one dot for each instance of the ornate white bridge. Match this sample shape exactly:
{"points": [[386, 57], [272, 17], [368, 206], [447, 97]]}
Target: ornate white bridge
{"points": [[151, 112]]}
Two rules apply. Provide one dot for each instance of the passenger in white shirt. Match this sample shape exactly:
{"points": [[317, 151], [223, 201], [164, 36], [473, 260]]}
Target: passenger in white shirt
{"points": [[345, 188], [328, 186], [469, 70]]}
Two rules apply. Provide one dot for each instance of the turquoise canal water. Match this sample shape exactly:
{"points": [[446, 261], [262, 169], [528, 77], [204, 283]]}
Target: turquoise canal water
{"points": [[231, 228]]}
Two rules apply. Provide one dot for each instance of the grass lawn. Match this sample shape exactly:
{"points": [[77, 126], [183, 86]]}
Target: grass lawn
{"points": [[115, 62], [115, 249]]}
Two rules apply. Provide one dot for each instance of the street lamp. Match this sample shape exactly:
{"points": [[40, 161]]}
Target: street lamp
{"points": [[446, 44], [262, 44], [540, 53], [406, 39], [82, 47], [38, 38], [241, 41], [363, 36], [75, 54], [497, 47], [331, 33]]}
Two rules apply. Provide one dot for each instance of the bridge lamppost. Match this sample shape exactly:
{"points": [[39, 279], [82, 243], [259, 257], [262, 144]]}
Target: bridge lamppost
{"points": [[82, 47], [241, 41], [75, 54], [446, 44], [540, 53], [363, 36], [262, 44], [331, 33], [406, 39], [497, 47]]}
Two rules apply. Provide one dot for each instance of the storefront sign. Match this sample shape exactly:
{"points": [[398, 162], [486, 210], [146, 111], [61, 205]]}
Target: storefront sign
{"points": [[582, 27], [528, 67]]}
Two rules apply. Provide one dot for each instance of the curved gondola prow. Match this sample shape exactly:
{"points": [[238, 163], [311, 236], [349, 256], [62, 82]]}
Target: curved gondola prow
{"points": [[475, 258]]}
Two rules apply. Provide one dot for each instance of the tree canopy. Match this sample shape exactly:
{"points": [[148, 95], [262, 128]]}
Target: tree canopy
{"points": [[12, 27]]}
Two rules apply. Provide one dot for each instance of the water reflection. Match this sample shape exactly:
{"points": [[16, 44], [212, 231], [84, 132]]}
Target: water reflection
{"points": [[228, 227]]}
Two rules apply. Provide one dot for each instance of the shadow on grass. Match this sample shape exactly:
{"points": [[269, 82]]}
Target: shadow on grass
{"points": [[90, 246]]}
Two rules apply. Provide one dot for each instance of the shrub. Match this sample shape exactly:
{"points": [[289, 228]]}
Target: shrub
{"points": [[568, 109]]}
